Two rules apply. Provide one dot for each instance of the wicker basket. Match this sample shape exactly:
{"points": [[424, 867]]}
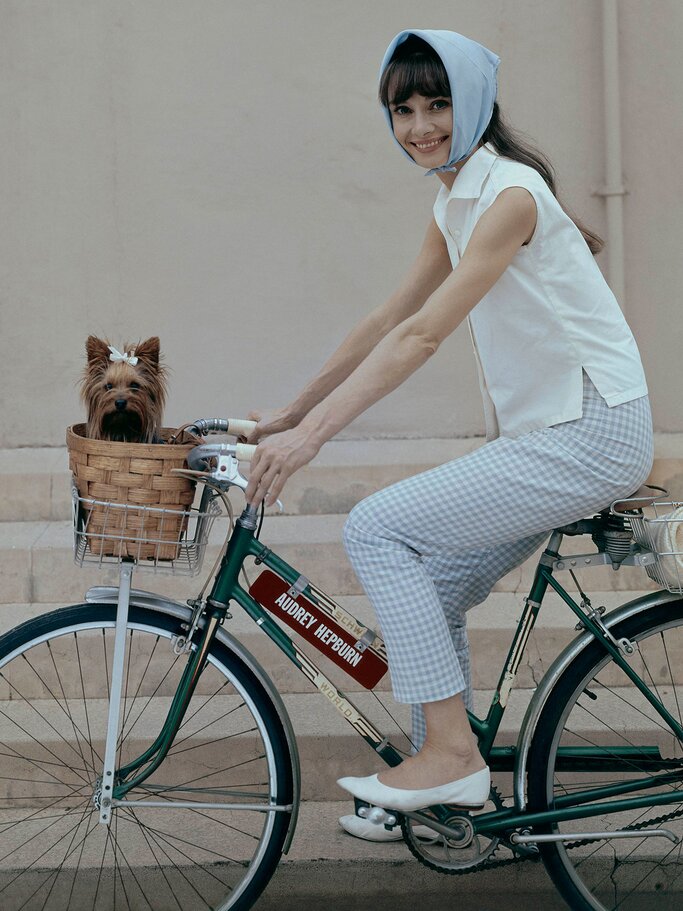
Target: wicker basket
{"points": [[133, 474]]}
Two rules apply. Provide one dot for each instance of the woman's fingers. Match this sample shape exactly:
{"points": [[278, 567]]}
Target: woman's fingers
{"points": [[274, 461], [262, 471], [253, 437]]}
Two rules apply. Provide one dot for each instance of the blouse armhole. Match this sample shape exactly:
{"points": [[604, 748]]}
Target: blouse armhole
{"points": [[531, 187]]}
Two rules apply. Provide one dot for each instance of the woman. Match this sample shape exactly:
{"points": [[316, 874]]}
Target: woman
{"points": [[567, 415]]}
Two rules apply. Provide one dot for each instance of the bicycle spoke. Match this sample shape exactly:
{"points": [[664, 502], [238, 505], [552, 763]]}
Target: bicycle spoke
{"points": [[169, 838], [66, 702], [147, 704], [85, 704], [40, 715], [671, 677], [156, 859], [227, 714], [130, 870], [129, 652], [124, 723], [61, 866]]}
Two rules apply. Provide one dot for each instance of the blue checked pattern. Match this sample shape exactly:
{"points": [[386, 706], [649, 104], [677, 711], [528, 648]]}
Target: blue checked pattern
{"points": [[429, 548]]}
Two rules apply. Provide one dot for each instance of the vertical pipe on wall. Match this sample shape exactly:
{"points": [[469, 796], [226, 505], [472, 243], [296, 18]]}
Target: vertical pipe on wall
{"points": [[613, 190]]}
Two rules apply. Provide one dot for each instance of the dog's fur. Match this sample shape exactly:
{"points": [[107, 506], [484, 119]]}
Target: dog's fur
{"points": [[124, 403]]}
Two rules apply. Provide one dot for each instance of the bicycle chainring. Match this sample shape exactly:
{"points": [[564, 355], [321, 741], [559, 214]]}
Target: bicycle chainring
{"points": [[464, 852]]}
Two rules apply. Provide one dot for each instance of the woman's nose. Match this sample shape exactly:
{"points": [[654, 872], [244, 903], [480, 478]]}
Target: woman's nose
{"points": [[423, 124]]}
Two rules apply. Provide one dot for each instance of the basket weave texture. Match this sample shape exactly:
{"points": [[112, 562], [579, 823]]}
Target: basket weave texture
{"points": [[133, 474]]}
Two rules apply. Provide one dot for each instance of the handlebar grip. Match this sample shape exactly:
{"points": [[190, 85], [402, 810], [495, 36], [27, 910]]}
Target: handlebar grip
{"points": [[240, 427], [244, 452]]}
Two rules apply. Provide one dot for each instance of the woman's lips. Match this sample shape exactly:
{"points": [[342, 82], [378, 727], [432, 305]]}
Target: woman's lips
{"points": [[429, 146]]}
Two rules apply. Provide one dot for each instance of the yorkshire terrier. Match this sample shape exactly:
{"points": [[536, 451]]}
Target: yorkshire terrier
{"points": [[124, 392]]}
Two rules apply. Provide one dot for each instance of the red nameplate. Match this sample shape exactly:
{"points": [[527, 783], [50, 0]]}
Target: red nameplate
{"points": [[364, 662]]}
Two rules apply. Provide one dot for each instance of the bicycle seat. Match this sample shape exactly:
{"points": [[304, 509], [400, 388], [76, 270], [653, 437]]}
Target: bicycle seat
{"points": [[644, 496]]}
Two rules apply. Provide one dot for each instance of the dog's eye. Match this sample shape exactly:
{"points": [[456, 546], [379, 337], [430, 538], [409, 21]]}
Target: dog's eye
{"points": [[108, 386], [134, 385]]}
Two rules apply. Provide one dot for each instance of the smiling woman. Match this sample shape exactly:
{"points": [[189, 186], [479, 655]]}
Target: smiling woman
{"points": [[561, 380]]}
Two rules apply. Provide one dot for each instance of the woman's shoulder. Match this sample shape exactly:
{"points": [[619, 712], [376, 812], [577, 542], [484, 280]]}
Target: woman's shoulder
{"points": [[507, 172]]}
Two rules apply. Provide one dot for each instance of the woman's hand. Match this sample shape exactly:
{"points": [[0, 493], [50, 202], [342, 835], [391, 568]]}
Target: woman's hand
{"points": [[275, 460], [270, 422]]}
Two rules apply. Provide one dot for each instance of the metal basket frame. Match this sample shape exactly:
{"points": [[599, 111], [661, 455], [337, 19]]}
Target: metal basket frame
{"points": [[655, 524], [188, 541]]}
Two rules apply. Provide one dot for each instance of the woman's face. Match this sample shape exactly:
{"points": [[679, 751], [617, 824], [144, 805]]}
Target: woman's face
{"points": [[423, 126]]}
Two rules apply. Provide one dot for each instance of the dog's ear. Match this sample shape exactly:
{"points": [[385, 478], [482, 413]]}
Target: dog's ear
{"points": [[148, 351], [97, 351]]}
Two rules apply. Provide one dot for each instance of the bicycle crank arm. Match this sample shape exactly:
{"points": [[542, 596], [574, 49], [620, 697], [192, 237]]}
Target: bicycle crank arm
{"points": [[518, 839]]}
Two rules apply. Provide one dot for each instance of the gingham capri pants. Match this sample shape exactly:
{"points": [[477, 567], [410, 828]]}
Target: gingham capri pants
{"points": [[429, 548]]}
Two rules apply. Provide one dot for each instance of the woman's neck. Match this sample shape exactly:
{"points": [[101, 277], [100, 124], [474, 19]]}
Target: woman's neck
{"points": [[448, 177]]}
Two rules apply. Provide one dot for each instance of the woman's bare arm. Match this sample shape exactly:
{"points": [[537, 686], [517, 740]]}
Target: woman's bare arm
{"points": [[497, 237]]}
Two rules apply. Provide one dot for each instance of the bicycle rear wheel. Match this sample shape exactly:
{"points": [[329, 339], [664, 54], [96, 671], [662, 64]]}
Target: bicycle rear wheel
{"points": [[595, 704], [230, 749]]}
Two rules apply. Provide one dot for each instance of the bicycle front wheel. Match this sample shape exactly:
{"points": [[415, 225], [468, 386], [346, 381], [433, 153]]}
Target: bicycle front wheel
{"points": [[594, 704], [231, 750]]}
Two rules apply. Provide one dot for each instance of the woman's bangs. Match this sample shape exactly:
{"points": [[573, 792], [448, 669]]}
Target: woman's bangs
{"points": [[419, 74]]}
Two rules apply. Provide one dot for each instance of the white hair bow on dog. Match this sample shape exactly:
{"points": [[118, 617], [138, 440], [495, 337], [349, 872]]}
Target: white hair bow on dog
{"points": [[125, 357]]}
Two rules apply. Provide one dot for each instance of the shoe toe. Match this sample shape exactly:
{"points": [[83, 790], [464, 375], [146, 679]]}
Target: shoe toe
{"points": [[369, 831]]}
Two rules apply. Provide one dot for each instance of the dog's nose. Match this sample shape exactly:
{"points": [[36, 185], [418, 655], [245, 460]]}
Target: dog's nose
{"points": [[120, 404]]}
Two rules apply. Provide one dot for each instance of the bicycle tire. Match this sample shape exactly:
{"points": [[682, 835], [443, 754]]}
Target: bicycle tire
{"points": [[592, 703], [54, 854]]}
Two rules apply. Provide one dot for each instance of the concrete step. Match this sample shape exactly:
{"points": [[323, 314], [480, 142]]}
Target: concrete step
{"points": [[36, 562], [35, 483], [490, 628]]}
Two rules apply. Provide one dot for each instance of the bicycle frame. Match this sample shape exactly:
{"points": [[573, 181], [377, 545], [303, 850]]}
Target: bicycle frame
{"points": [[583, 804]]}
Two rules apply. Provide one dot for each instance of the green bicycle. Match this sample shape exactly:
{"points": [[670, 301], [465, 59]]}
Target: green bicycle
{"points": [[150, 762]]}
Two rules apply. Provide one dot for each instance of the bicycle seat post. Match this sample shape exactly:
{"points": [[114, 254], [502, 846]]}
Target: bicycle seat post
{"points": [[107, 784]]}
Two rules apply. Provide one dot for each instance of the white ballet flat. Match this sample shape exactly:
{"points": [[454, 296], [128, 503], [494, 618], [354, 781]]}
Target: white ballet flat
{"points": [[470, 793], [372, 831]]}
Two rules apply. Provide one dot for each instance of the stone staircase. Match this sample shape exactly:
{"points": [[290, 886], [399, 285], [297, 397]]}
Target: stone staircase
{"points": [[38, 574]]}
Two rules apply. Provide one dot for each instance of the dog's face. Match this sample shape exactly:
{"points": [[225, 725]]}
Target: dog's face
{"points": [[125, 401]]}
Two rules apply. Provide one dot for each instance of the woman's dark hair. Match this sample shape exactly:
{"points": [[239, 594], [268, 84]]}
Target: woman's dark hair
{"points": [[416, 67]]}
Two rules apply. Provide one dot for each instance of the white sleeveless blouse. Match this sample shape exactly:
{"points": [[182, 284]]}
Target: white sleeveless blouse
{"points": [[551, 314]]}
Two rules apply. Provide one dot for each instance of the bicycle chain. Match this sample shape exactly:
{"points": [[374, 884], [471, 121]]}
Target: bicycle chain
{"points": [[657, 820]]}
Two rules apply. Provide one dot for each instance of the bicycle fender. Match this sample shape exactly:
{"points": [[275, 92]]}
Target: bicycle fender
{"points": [[553, 674], [151, 601]]}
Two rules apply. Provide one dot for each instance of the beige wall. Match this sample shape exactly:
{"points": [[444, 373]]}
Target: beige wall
{"points": [[219, 173]]}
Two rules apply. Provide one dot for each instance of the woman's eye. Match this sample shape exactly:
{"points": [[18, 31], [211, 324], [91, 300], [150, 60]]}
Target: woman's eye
{"points": [[441, 104], [401, 109]]}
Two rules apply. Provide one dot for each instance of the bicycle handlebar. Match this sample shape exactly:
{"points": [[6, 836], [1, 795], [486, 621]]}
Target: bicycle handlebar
{"points": [[197, 457], [236, 426]]}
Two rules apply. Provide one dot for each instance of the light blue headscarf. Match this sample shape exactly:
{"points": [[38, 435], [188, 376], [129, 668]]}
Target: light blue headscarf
{"points": [[471, 70]]}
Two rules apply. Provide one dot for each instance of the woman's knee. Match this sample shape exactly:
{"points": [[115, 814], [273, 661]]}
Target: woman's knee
{"points": [[362, 520]]}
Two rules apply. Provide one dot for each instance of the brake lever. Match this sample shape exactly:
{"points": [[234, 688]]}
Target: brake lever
{"points": [[227, 470]]}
